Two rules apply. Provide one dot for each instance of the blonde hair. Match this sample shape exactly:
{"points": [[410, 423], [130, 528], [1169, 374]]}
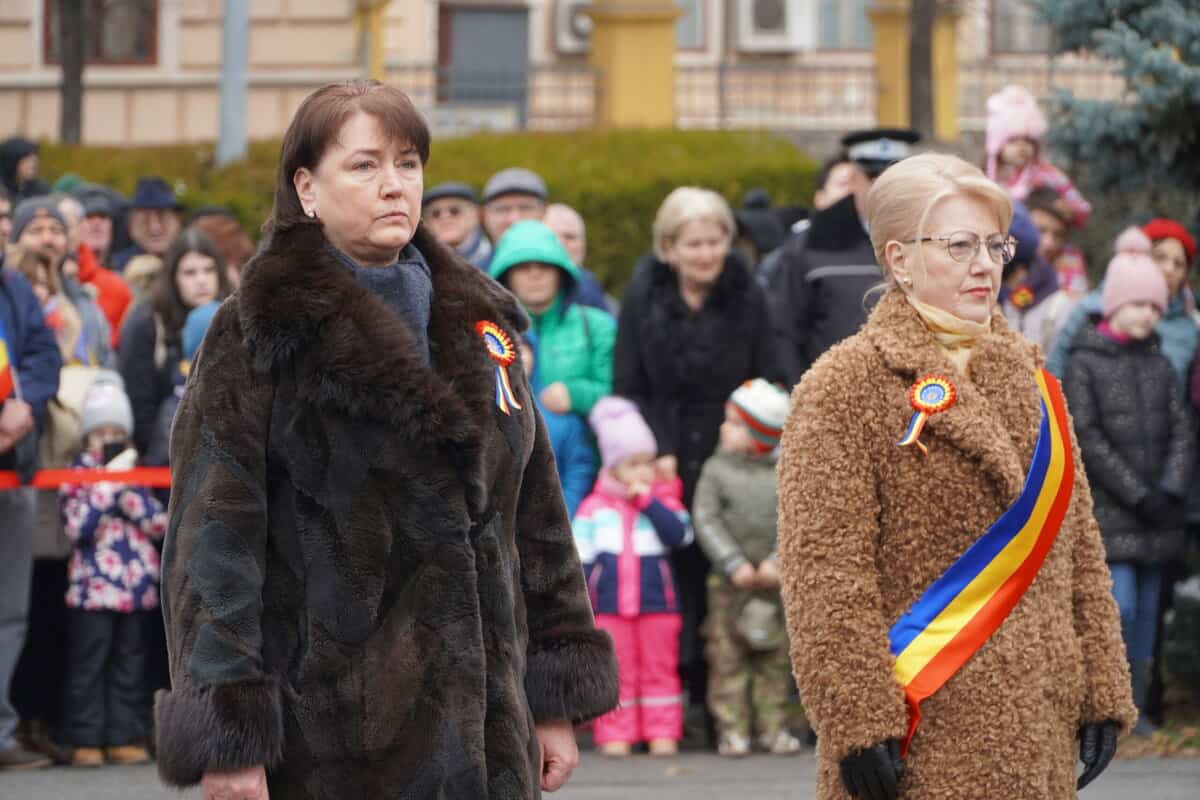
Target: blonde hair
{"points": [[689, 204], [902, 198]]}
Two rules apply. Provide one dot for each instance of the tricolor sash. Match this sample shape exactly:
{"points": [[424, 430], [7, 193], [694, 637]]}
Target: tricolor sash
{"points": [[965, 606]]}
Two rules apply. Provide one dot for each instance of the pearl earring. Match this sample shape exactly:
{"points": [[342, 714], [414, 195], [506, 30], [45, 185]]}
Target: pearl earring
{"points": [[312, 213]]}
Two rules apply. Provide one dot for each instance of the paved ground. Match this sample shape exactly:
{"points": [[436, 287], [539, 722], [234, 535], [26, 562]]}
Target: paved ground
{"points": [[691, 777]]}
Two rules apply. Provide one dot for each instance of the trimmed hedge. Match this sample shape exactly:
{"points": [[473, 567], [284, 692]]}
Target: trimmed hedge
{"points": [[616, 180]]}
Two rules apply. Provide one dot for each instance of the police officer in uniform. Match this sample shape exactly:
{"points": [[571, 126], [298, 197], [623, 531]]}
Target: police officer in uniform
{"points": [[818, 294]]}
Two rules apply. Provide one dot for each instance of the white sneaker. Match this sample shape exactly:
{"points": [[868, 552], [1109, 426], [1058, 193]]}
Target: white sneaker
{"points": [[734, 745], [781, 744]]}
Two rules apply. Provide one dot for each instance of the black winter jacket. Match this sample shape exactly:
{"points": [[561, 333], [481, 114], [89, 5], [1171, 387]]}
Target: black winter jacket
{"points": [[680, 366], [1136, 434], [819, 291]]}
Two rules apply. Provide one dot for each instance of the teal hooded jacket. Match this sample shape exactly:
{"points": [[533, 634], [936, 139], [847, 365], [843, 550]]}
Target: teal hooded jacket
{"points": [[575, 342]]}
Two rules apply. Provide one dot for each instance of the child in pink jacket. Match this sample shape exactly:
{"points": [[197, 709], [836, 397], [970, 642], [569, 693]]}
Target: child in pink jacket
{"points": [[624, 530], [1016, 133]]}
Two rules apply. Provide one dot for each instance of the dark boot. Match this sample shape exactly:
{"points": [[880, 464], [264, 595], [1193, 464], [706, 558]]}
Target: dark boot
{"points": [[1140, 672]]}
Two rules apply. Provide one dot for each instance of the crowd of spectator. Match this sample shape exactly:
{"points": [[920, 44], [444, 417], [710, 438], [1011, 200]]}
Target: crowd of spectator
{"points": [[663, 411]]}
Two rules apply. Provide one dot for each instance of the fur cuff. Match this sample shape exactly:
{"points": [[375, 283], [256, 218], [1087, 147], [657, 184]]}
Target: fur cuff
{"points": [[572, 678], [217, 728]]}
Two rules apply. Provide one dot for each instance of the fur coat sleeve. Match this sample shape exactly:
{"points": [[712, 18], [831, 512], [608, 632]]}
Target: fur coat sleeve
{"points": [[826, 553], [571, 663], [223, 712]]}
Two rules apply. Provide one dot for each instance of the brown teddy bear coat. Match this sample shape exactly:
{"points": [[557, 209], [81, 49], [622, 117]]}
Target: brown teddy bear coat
{"points": [[866, 526], [370, 582]]}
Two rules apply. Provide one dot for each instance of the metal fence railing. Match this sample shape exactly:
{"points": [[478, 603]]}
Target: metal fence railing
{"points": [[1088, 78], [546, 97], [789, 96], [792, 96]]}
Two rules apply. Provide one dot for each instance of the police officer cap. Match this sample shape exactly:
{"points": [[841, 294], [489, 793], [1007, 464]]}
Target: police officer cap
{"points": [[877, 149]]}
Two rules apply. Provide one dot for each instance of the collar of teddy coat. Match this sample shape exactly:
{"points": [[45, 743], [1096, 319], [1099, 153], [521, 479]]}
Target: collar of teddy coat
{"points": [[998, 412], [299, 308]]}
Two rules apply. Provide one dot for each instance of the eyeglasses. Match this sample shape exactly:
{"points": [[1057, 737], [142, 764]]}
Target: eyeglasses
{"points": [[964, 246]]}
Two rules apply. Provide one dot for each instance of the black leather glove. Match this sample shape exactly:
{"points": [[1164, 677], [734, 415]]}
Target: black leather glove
{"points": [[1097, 746], [1156, 506], [874, 773]]}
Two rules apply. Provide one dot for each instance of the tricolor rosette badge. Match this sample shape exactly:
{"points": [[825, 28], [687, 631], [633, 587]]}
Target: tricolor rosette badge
{"points": [[930, 395], [501, 350]]}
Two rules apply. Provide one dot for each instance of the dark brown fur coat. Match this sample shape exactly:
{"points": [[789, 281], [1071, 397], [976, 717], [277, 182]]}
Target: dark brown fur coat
{"points": [[866, 526], [369, 580]]}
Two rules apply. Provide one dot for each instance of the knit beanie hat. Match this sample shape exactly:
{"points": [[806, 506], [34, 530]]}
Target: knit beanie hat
{"points": [[106, 404], [620, 431], [763, 406], [1161, 228], [196, 325], [1012, 113], [29, 210], [1132, 275]]}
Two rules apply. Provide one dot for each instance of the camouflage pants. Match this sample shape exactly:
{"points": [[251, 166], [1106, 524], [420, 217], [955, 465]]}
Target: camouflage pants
{"points": [[748, 690]]}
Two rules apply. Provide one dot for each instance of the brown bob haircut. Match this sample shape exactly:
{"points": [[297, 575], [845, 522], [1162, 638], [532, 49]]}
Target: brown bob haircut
{"points": [[316, 125]]}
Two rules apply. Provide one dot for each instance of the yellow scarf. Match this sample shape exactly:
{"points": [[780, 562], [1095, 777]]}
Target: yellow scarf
{"points": [[955, 335]]}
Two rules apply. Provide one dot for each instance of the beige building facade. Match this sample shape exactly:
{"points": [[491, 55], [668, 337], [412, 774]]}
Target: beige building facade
{"points": [[153, 66]]}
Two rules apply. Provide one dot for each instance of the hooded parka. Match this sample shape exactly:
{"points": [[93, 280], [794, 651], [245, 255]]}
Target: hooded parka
{"points": [[866, 526], [369, 579]]}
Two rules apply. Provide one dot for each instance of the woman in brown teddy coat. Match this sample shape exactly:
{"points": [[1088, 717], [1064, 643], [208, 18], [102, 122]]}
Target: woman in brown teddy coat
{"points": [[867, 526]]}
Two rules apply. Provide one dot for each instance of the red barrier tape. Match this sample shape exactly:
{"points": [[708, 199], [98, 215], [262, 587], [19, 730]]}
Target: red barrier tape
{"points": [[152, 477]]}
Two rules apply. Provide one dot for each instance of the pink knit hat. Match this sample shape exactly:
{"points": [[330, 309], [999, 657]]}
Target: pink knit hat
{"points": [[1132, 275], [620, 431], [1012, 113]]}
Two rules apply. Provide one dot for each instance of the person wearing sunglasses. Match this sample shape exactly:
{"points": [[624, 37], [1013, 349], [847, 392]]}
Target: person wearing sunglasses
{"points": [[451, 211], [952, 623]]}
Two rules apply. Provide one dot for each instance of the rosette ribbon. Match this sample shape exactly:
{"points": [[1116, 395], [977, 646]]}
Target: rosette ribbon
{"points": [[930, 395], [501, 350]]}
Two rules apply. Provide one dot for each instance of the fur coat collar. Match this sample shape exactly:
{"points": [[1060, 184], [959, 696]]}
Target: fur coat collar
{"points": [[993, 420], [302, 309]]}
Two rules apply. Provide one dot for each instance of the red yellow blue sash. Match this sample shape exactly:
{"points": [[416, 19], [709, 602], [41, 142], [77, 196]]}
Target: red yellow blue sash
{"points": [[965, 606], [7, 384]]}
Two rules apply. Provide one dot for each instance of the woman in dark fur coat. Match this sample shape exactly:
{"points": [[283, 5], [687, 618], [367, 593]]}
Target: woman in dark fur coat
{"points": [[369, 581]]}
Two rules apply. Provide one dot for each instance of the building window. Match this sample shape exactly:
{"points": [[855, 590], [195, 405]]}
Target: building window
{"points": [[689, 27], [844, 25], [1017, 28], [114, 31]]}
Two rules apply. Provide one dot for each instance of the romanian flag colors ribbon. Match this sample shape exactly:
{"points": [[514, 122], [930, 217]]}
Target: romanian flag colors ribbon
{"points": [[930, 395], [969, 602], [7, 384], [500, 348]]}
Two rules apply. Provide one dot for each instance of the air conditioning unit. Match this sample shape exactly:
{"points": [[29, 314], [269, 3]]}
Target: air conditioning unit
{"points": [[572, 28], [776, 26]]}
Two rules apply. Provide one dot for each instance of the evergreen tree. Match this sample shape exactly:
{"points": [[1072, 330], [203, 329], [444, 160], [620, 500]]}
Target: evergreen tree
{"points": [[1150, 138]]}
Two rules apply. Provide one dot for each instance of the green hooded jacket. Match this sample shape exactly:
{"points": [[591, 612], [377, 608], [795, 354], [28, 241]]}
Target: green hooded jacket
{"points": [[575, 343]]}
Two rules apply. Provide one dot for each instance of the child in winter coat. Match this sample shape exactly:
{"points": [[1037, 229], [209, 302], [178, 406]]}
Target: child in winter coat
{"points": [[1016, 129], [113, 587], [574, 454], [194, 328], [1135, 433], [624, 530], [750, 673]]}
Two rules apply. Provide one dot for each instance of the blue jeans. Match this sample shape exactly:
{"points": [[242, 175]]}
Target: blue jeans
{"points": [[1136, 589]]}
